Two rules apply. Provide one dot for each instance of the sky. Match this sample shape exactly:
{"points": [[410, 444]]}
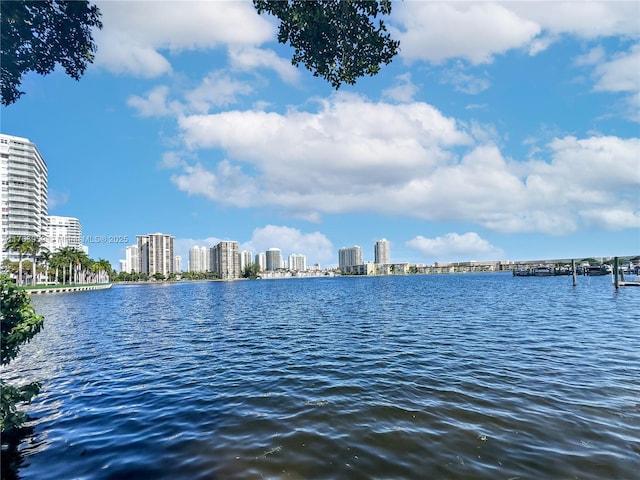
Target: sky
{"points": [[501, 131]]}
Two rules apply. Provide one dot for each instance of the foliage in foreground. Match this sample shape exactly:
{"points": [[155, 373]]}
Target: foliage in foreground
{"points": [[335, 40], [18, 325], [37, 36], [338, 40]]}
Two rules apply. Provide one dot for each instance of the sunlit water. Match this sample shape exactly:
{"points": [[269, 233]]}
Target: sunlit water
{"points": [[442, 376]]}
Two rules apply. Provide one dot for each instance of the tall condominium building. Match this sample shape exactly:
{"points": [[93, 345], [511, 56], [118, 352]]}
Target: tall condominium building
{"points": [[381, 252], [261, 260], [246, 259], [155, 253], [123, 265], [131, 259], [274, 259], [177, 264], [23, 182], [225, 260], [297, 262], [349, 256], [63, 232], [199, 259]]}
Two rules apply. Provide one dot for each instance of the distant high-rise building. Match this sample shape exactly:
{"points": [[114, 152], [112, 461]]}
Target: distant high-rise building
{"points": [[274, 259], [225, 260], [349, 256], [155, 253], [381, 252], [246, 259], [63, 232], [131, 258], [261, 260], [123, 265], [297, 262], [23, 194], [177, 265], [199, 259]]}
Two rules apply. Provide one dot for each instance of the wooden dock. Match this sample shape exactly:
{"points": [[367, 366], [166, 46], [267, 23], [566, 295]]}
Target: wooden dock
{"points": [[618, 277]]}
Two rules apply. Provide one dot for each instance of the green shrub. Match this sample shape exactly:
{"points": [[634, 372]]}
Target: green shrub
{"points": [[19, 324]]}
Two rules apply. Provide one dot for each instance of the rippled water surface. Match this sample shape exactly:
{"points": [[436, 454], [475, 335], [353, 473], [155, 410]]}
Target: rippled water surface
{"points": [[460, 376]]}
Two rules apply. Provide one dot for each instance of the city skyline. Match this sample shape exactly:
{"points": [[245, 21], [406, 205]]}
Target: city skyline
{"points": [[510, 134]]}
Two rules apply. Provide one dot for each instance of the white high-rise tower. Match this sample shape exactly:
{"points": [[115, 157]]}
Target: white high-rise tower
{"points": [[23, 180]]}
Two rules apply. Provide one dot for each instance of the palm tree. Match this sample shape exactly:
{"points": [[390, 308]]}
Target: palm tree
{"points": [[104, 270], [45, 259], [66, 257], [19, 245], [33, 246]]}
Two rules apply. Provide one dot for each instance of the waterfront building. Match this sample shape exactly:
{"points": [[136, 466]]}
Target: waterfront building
{"points": [[23, 182], [349, 257], [131, 258], [155, 254], [225, 260], [261, 260], [274, 259], [123, 265], [177, 265], [63, 232], [297, 262], [246, 259], [381, 252], [199, 259], [367, 268]]}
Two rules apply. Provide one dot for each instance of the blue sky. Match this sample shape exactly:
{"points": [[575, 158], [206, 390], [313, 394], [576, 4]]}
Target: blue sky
{"points": [[501, 131]]}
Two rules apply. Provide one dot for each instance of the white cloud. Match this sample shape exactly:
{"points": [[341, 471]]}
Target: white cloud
{"points": [[172, 160], [478, 31], [250, 58], [316, 246], [216, 89], [464, 82], [226, 185], [586, 20], [154, 104], [453, 246], [353, 155], [592, 57], [436, 31], [621, 74], [402, 91], [611, 219], [150, 33]]}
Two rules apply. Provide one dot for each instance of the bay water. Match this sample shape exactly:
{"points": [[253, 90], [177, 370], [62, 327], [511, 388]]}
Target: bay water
{"points": [[478, 376]]}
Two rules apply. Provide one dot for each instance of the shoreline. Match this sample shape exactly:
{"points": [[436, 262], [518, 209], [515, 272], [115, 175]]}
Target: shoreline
{"points": [[68, 289]]}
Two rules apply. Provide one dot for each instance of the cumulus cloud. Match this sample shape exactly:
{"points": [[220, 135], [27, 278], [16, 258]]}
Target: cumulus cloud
{"points": [[315, 245], [436, 31], [216, 89], [465, 82], [152, 34], [154, 104], [354, 155], [478, 31], [620, 74], [227, 184], [586, 20], [250, 58], [402, 91], [455, 247]]}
